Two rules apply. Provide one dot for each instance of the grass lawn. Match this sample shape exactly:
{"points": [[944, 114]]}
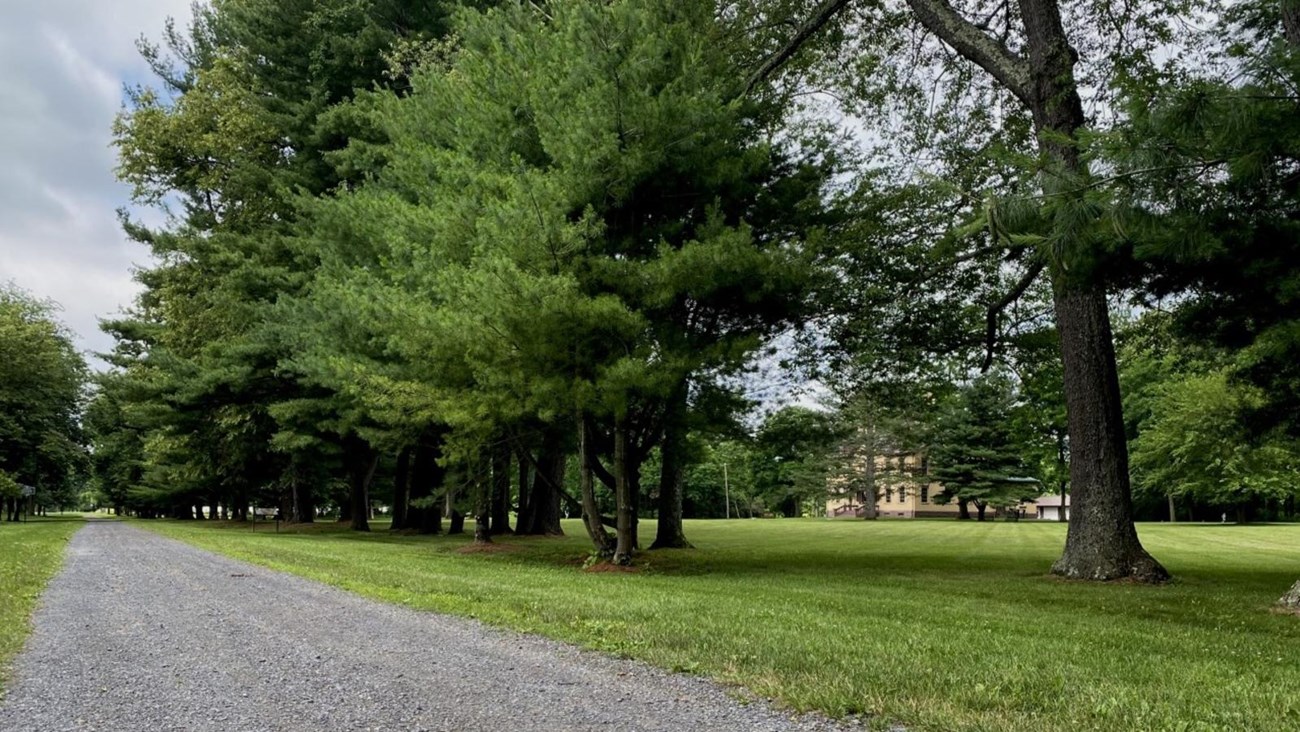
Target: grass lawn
{"points": [[937, 625], [30, 554]]}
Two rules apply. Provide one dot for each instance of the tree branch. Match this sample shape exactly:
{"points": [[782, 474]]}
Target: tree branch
{"points": [[991, 324], [940, 18], [821, 15], [600, 471]]}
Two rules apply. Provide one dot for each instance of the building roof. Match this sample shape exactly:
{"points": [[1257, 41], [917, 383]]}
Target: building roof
{"points": [[1051, 500]]}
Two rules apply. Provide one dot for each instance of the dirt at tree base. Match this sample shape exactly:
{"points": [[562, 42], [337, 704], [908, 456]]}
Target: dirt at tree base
{"points": [[611, 567], [490, 548]]}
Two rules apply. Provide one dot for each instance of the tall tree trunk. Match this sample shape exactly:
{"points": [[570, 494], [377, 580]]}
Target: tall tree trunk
{"points": [[362, 463], [304, 502], [870, 511], [1173, 510], [426, 475], [672, 473], [483, 495], [401, 489], [669, 533], [456, 519], [980, 508], [624, 507], [1101, 543], [500, 489], [586, 481], [963, 509], [548, 482], [634, 496]]}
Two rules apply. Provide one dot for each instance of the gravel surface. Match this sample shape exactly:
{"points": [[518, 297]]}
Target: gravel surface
{"points": [[139, 632]]}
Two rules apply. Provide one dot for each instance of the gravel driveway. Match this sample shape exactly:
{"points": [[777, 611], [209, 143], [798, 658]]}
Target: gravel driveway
{"points": [[139, 632]]}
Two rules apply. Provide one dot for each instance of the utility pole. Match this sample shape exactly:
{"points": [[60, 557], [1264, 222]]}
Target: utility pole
{"points": [[726, 488]]}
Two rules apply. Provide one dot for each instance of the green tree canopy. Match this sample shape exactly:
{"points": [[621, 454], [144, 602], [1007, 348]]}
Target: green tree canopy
{"points": [[42, 392]]}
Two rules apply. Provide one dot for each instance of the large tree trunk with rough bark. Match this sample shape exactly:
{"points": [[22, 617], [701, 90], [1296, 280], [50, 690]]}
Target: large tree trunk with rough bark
{"points": [[669, 533], [1101, 543]]}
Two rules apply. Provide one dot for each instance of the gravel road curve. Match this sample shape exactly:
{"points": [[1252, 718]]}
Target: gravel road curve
{"points": [[139, 632]]}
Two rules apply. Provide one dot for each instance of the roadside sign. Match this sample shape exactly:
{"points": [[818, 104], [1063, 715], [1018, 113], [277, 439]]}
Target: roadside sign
{"points": [[28, 491]]}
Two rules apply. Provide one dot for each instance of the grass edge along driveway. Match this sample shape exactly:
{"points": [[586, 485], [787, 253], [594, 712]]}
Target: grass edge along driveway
{"points": [[937, 625], [31, 553]]}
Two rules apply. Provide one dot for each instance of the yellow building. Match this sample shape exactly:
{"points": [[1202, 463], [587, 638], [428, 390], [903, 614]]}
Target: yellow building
{"points": [[903, 490]]}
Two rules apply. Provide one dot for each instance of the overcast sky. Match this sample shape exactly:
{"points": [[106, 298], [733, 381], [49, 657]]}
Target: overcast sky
{"points": [[63, 64]]}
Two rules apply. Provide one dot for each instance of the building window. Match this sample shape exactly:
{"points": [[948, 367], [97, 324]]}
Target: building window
{"points": [[925, 493], [889, 495], [902, 494]]}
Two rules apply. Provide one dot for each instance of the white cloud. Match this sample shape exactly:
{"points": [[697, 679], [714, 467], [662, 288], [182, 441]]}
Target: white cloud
{"points": [[64, 66]]}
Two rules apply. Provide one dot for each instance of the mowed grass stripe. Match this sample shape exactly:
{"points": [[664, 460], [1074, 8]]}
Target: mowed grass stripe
{"points": [[30, 554], [939, 625]]}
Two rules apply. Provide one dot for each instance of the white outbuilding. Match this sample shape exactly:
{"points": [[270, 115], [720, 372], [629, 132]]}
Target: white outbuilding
{"points": [[1051, 507]]}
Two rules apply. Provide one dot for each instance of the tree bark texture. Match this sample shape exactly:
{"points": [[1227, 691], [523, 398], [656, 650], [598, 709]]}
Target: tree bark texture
{"points": [[624, 505], [669, 533], [600, 539], [1101, 542]]}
